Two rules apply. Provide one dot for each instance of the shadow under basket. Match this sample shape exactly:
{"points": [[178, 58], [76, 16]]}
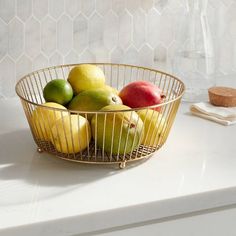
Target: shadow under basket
{"points": [[108, 138]]}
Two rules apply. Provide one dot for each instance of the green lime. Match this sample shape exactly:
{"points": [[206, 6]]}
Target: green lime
{"points": [[59, 91]]}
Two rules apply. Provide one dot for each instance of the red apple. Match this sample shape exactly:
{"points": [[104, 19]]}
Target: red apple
{"points": [[141, 94]]}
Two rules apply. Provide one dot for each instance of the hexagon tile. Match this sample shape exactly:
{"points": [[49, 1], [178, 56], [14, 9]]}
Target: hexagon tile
{"points": [[40, 33]]}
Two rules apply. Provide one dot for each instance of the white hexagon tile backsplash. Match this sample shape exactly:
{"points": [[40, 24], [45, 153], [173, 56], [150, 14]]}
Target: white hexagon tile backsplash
{"points": [[40, 33]]}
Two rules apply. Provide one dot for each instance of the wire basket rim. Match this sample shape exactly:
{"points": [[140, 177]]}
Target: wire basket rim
{"points": [[100, 112]]}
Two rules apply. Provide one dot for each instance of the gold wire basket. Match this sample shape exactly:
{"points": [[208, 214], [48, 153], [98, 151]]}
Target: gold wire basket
{"points": [[30, 91]]}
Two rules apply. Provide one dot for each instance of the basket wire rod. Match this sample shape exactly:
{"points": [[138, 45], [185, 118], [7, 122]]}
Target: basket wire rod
{"points": [[180, 88], [143, 70], [164, 85], [135, 135], [104, 134], [52, 138], [65, 134], [148, 129], [128, 133], [68, 69], [156, 138], [32, 86], [50, 73], [111, 77], [137, 72], [28, 108], [63, 74], [34, 129], [168, 121], [25, 94], [112, 135], [149, 75], [28, 88], [145, 75], [131, 73], [41, 123], [56, 71], [164, 114], [40, 82], [45, 77], [169, 91], [158, 120], [79, 141], [174, 89], [27, 113], [155, 80], [104, 70], [123, 76], [96, 134], [48, 124], [117, 76], [56, 126], [19, 89], [142, 131], [120, 135], [87, 136], [160, 81], [170, 94], [38, 90], [161, 119]]}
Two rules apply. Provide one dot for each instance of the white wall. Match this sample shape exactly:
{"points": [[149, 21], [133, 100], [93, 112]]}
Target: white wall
{"points": [[40, 33]]}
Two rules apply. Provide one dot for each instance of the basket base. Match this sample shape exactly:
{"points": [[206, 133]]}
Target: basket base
{"points": [[97, 156], [122, 165], [39, 150]]}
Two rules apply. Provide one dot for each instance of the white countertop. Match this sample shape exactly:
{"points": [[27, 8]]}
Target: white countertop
{"points": [[43, 195]]}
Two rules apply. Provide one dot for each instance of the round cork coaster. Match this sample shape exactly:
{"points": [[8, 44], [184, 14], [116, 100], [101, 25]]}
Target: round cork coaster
{"points": [[222, 96]]}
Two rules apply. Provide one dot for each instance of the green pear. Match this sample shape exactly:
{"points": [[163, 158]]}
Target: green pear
{"points": [[117, 132]]}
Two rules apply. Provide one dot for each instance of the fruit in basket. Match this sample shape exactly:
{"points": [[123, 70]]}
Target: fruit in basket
{"points": [[114, 90], [118, 132], [154, 126], [94, 100], [59, 91], [141, 94], [71, 134], [86, 76], [43, 118]]}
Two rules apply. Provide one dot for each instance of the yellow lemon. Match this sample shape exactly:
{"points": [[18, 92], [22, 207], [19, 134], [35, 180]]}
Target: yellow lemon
{"points": [[86, 76], [154, 126], [43, 118], [71, 134]]}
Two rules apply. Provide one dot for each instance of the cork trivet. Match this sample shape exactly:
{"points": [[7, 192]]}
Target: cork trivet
{"points": [[222, 96]]}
